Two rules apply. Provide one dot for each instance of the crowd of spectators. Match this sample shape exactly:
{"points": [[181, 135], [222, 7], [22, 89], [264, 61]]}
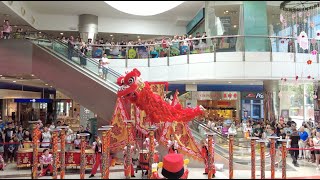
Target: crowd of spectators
{"points": [[14, 137], [303, 142]]}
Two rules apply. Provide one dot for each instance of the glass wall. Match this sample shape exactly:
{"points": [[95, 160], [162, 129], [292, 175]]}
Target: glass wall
{"points": [[296, 101]]}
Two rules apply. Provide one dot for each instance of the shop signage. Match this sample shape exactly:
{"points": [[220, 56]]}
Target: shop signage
{"points": [[252, 95], [207, 95], [32, 100]]}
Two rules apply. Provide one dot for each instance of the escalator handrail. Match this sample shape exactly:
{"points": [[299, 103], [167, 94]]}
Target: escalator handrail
{"points": [[88, 72], [48, 37], [216, 132]]}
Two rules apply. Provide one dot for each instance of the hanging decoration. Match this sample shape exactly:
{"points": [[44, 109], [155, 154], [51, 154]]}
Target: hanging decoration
{"points": [[303, 40]]}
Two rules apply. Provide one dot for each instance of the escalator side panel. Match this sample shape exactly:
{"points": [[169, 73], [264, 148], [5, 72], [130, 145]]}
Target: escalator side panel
{"points": [[73, 83], [15, 57]]}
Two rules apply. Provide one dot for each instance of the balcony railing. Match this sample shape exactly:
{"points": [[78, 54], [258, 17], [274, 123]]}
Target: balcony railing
{"points": [[240, 45]]}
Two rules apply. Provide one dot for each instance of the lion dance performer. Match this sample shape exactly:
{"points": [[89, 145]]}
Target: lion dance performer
{"points": [[173, 167], [133, 89]]}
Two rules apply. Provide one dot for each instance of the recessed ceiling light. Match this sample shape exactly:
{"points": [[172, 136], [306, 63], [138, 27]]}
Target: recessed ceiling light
{"points": [[0, 75], [229, 82], [32, 75], [111, 35], [138, 36], [46, 84], [14, 81], [21, 78], [40, 32], [227, 11], [234, 26], [51, 86], [61, 33]]}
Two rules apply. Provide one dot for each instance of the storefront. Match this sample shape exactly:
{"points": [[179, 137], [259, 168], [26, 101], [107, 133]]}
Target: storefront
{"points": [[221, 105], [252, 105]]}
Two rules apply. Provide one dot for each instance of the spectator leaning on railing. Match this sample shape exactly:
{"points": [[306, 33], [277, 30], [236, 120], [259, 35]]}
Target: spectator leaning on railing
{"points": [[7, 29]]}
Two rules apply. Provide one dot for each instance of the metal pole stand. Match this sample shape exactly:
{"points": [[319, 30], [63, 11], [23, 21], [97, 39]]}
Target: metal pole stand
{"points": [[262, 157], [211, 167], [55, 152], [35, 135], [273, 141], [83, 154], [105, 151], [128, 161], [151, 149], [253, 156], [231, 140], [63, 150], [284, 157]]}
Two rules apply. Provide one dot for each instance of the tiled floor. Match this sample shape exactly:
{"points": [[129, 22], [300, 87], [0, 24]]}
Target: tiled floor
{"points": [[306, 169]]}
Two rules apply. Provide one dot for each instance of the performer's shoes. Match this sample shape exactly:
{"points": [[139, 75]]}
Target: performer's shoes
{"points": [[146, 173], [205, 173], [133, 176], [91, 175]]}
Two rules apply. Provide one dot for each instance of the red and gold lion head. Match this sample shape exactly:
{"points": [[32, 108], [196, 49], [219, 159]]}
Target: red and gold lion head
{"points": [[130, 85]]}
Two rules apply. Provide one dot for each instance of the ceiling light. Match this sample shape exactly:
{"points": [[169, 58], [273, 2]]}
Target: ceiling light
{"points": [[40, 32], [0, 75], [61, 34], [46, 84], [229, 82], [21, 78], [32, 75], [227, 11], [15, 26], [234, 26], [138, 36], [143, 8], [14, 81], [51, 86]]}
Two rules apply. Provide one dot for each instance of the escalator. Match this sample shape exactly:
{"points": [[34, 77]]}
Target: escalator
{"points": [[242, 150], [48, 60]]}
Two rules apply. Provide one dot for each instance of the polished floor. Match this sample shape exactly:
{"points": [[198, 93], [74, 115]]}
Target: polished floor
{"points": [[305, 171]]}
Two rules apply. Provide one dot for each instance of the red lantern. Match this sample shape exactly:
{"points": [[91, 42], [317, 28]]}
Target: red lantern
{"points": [[309, 62]]}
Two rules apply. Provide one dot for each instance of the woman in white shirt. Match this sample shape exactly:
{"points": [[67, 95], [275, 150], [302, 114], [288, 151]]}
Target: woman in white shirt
{"points": [[172, 145], [46, 138], [316, 142]]}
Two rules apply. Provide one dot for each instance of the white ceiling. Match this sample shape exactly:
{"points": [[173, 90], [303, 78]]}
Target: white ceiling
{"points": [[222, 82], [8, 14], [186, 10]]}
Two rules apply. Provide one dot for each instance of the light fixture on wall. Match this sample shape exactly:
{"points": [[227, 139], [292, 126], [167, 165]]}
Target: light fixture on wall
{"points": [[235, 26], [143, 8]]}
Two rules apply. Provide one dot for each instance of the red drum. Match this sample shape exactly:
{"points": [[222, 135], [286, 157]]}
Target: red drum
{"points": [[144, 159], [24, 158]]}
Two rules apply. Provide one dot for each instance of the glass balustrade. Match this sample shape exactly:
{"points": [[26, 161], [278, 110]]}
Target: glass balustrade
{"points": [[75, 56]]}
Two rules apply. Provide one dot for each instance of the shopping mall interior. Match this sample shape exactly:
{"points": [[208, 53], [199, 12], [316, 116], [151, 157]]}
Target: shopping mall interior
{"points": [[208, 89]]}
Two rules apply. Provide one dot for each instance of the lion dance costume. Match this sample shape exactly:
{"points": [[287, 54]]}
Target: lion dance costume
{"points": [[132, 88]]}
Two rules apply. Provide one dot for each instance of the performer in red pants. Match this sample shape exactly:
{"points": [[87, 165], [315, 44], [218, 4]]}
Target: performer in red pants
{"points": [[97, 147], [46, 163]]}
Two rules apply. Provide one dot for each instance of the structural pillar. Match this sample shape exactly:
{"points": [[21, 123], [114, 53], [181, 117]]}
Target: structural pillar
{"points": [[88, 27], [271, 103]]}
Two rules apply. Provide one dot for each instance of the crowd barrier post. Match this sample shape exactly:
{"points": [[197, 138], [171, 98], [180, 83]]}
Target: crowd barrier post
{"points": [[262, 158], [55, 155], [63, 150], [151, 131], [127, 170], [284, 157], [211, 166]]}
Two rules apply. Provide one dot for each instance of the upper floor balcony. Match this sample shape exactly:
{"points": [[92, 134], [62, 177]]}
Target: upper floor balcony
{"points": [[216, 57]]}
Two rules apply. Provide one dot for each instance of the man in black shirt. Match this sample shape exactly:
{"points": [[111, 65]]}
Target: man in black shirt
{"points": [[295, 137], [8, 135]]}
